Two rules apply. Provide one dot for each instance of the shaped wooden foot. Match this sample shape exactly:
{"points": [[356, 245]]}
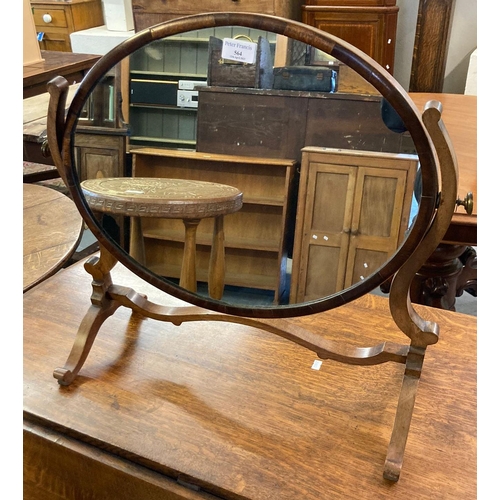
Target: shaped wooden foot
{"points": [[103, 306], [95, 317]]}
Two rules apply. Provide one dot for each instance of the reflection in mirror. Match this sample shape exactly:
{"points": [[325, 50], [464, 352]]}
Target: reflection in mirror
{"points": [[329, 182]]}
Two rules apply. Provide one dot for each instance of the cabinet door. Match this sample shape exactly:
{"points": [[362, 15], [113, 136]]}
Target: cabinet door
{"points": [[372, 30], [99, 155], [376, 221], [324, 234]]}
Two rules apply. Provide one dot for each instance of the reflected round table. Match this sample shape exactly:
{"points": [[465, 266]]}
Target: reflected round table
{"points": [[187, 200]]}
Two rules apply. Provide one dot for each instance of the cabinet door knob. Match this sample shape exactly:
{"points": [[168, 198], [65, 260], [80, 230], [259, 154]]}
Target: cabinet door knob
{"points": [[47, 18]]}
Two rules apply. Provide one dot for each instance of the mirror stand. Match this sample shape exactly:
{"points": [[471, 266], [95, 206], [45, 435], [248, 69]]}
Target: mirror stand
{"points": [[108, 297]]}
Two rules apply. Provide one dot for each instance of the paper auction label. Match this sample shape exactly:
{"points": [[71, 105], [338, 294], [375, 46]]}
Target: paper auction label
{"points": [[239, 50]]}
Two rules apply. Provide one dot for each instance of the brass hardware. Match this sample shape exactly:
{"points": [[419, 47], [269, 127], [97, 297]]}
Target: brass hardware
{"points": [[45, 149], [467, 203], [237, 37]]}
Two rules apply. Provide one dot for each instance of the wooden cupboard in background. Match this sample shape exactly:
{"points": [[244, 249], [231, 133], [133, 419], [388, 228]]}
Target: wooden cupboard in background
{"points": [[57, 20], [353, 212], [100, 141], [369, 25]]}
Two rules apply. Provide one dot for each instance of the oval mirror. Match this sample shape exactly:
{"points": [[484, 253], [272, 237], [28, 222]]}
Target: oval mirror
{"points": [[336, 170]]}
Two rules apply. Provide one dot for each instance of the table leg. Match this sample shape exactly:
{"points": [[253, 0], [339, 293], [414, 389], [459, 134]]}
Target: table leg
{"points": [[188, 269], [137, 241], [216, 268], [436, 283]]}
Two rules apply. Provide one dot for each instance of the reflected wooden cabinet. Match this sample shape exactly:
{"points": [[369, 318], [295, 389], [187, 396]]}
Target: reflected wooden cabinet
{"points": [[161, 76], [57, 20], [257, 237], [369, 25], [100, 141], [353, 212]]}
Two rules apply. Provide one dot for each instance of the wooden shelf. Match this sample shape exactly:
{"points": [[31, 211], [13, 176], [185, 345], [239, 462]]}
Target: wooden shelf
{"points": [[163, 107], [206, 240], [162, 140], [255, 281], [184, 76]]}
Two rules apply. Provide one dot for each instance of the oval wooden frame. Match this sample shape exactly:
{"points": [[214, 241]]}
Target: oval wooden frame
{"points": [[365, 66]]}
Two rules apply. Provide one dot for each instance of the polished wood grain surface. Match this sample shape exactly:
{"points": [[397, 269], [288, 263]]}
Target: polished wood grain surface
{"points": [[52, 228], [235, 411], [70, 65], [460, 118]]}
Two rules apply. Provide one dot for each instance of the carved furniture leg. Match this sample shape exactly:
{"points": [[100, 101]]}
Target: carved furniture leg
{"points": [[435, 284], [137, 240], [102, 308], [467, 281], [188, 270], [216, 269]]}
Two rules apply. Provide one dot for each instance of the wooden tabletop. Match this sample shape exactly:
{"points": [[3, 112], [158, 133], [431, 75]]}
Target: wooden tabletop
{"points": [[161, 197], [460, 118], [236, 411], [52, 228], [70, 65], [35, 114]]}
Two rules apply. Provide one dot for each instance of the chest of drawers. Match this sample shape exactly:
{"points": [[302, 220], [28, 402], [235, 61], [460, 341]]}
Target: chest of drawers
{"points": [[150, 12], [57, 20]]}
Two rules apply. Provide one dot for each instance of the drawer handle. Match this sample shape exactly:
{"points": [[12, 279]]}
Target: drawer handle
{"points": [[47, 18], [467, 203]]}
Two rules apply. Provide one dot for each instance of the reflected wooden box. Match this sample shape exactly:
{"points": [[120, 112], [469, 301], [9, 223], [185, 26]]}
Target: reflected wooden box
{"points": [[233, 74]]}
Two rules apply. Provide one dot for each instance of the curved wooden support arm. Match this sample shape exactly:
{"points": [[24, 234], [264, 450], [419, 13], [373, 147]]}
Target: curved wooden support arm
{"points": [[324, 348], [420, 331], [58, 89]]}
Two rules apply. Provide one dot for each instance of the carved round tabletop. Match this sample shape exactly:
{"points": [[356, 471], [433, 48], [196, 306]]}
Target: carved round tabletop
{"points": [[160, 197]]}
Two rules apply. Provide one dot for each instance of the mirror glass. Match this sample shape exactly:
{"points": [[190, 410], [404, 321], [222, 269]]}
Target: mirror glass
{"points": [[329, 176]]}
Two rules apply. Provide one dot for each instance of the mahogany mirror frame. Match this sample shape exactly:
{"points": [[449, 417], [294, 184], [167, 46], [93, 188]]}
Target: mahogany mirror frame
{"points": [[366, 67], [436, 206]]}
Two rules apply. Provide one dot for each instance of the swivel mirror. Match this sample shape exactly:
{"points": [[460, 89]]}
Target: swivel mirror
{"points": [[309, 196]]}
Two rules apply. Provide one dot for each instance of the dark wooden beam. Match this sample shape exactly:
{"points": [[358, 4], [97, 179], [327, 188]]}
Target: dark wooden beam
{"points": [[431, 45]]}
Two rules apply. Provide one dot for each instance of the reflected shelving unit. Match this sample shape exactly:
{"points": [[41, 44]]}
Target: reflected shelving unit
{"points": [[163, 81]]}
